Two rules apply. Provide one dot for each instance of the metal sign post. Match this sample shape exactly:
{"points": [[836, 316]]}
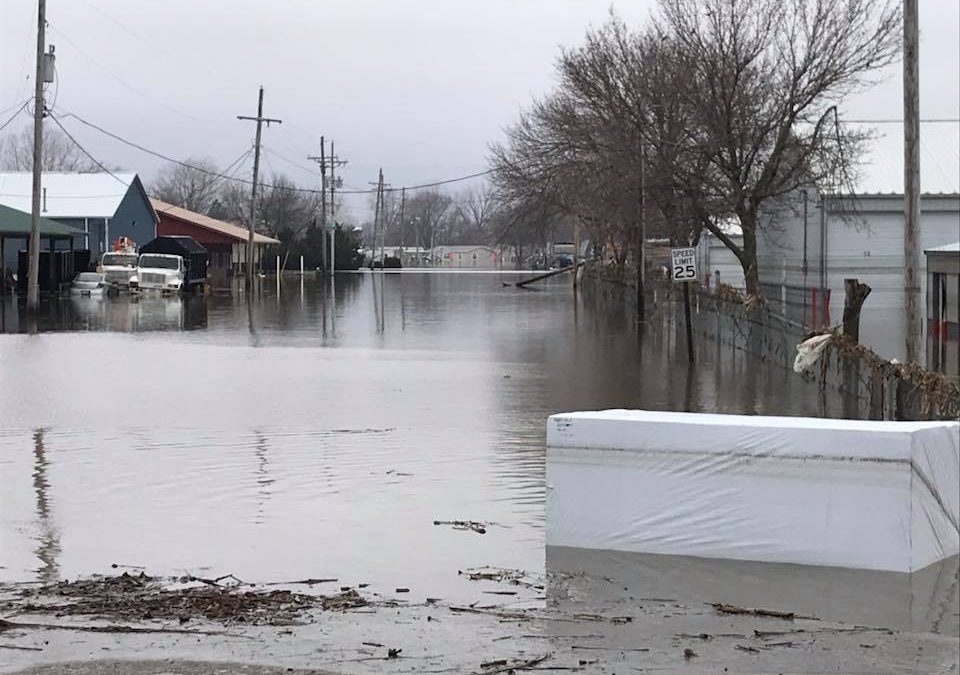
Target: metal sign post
{"points": [[683, 269]]}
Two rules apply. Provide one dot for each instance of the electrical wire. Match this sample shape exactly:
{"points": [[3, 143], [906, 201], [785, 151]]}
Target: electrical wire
{"points": [[14, 116], [67, 114], [123, 82], [929, 120], [84, 151], [289, 161], [19, 106]]}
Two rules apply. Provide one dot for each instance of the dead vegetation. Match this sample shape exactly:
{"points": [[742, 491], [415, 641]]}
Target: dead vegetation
{"points": [[142, 597]]}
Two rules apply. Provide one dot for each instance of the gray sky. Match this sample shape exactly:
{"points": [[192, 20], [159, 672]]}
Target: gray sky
{"points": [[419, 87]]}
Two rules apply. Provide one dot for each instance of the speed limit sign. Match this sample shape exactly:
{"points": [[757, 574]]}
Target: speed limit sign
{"points": [[684, 266]]}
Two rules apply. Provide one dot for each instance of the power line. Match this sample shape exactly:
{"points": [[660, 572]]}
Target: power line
{"points": [[84, 151], [290, 161], [124, 82], [441, 182], [167, 158], [928, 120], [14, 116], [218, 174]]}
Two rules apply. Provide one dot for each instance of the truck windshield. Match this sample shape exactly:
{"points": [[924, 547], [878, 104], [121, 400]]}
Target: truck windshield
{"points": [[161, 262], [119, 260]]}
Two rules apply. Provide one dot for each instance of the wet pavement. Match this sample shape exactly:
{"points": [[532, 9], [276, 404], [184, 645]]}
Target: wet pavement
{"points": [[320, 432]]}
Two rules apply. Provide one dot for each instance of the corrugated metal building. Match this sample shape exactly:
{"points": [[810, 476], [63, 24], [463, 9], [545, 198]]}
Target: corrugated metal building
{"points": [[104, 206], [815, 242], [943, 308]]}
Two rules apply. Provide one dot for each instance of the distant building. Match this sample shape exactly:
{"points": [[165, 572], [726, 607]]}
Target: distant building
{"points": [[225, 242], [466, 257], [104, 206], [943, 308]]}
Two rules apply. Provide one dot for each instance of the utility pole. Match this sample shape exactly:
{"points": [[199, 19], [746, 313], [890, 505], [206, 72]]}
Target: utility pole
{"points": [[322, 161], [379, 223], [911, 177], [259, 119], [334, 162], [376, 220], [33, 272], [403, 204]]}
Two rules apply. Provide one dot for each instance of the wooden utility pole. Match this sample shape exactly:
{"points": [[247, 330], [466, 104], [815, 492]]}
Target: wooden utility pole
{"points": [[259, 119], [376, 221], [322, 161], [33, 268], [403, 205], [911, 178], [334, 162]]}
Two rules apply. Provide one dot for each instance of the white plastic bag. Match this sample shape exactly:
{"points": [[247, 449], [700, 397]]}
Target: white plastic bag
{"points": [[809, 351]]}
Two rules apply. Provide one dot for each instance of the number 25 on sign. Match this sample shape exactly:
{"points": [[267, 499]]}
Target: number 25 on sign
{"points": [[684, 266]]}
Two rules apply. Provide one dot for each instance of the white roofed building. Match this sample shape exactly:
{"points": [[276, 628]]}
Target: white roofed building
{"points": [[105, 206]]}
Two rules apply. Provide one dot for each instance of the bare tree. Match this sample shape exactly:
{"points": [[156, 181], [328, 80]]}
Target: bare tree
{"points": [[479, 205], [283, 210], [425, 211], [191, 188], [730, 103], [767, 75], [59, 153]]}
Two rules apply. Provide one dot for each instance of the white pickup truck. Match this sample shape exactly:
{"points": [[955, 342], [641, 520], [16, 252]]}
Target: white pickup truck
{"points": [[159, 272]]}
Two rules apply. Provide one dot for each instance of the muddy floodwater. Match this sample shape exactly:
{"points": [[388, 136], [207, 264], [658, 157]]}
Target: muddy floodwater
{"points": [[319, 432], [324, 434]]}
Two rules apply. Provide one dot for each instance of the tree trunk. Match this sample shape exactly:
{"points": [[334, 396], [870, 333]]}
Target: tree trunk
{"points": [[748, 259], [856, 294]]}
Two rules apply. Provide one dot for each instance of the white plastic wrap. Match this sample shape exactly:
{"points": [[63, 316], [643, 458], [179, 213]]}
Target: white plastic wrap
{"points": [[874, 495]]}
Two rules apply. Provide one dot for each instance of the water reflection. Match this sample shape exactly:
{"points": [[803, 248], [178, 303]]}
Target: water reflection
{"points": [[124, 314], [48, 540], [264, 481], [354, 411]]}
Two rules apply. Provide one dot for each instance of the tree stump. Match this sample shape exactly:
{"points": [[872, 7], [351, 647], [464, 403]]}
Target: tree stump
{"points": [[855, 295]]}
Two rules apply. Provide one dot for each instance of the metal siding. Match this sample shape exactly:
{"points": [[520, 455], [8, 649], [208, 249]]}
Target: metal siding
{"points": [[133, 219]]}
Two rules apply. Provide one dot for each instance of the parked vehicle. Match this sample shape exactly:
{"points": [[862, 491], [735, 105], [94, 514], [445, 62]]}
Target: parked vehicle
{"points": [[88, 283], [118, 267], [159, 272], [171, 264]]}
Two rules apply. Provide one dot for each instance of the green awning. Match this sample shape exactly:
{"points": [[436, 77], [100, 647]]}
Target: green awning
{"points": [[14, 223]]}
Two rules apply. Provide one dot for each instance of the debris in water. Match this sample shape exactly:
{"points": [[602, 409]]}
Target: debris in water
{"points": [[509, 667], [479, 528], [137, 597], [733, 609], [504, 575], [689, 654]]}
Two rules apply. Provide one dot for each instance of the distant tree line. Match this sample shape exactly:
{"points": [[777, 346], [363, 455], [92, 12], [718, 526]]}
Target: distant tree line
{"points": [[284, 211], [709, 114]]}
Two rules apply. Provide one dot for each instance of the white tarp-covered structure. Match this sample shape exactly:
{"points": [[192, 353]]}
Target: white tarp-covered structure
{"points": [[873, 495]]}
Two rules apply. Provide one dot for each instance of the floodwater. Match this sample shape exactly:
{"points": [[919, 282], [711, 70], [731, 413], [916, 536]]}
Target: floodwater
{"points": [[319, 431]]}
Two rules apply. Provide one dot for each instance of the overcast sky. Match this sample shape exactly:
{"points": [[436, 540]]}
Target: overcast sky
{"points": [[419, 87]]}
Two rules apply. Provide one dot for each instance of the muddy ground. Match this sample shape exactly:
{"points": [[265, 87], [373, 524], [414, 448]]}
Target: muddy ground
{"points": [[584, 622]]}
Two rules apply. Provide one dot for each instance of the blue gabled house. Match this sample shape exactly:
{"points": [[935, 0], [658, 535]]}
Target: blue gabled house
{"points": [[103, 206]]}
